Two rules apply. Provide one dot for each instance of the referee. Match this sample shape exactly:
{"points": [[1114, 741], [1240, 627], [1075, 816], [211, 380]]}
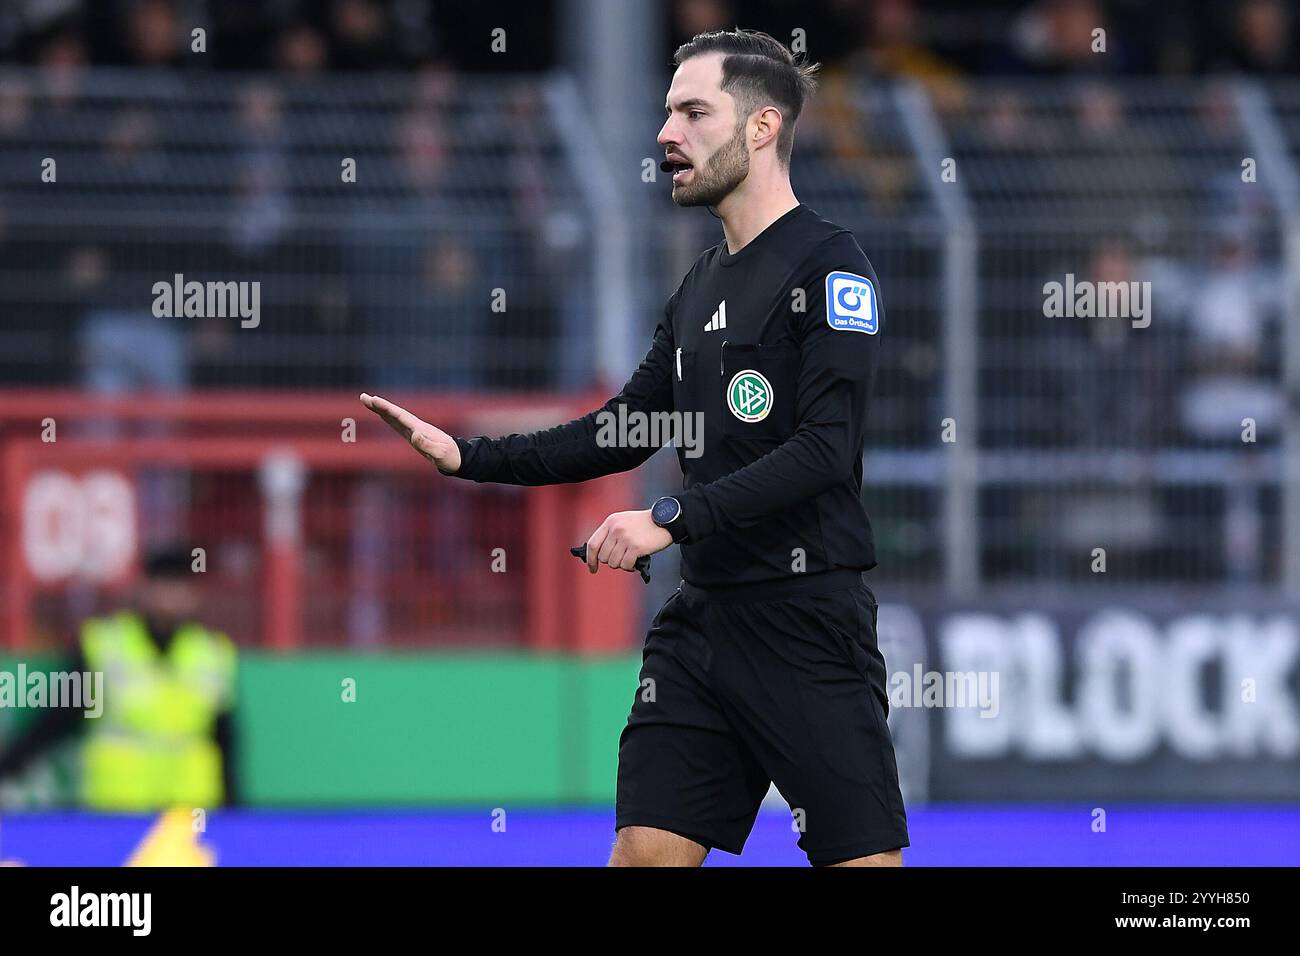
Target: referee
{"points": [[764, 663]]}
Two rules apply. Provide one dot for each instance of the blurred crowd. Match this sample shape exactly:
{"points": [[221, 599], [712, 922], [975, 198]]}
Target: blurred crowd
{"points": [[936, 40], [292, 36], [929, 39], [380, 270], [225, 165], [387, 282]]}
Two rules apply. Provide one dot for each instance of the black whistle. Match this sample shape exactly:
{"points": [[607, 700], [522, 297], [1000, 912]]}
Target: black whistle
{"points": [[642, 563]]}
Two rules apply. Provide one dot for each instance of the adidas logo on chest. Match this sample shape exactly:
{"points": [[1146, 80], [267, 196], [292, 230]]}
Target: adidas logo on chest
{"points": [[718, 321]]}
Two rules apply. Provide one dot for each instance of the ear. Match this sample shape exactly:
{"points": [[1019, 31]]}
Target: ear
{"points": [[765, 127]]}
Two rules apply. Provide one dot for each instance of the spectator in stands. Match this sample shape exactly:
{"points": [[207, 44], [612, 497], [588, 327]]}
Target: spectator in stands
{"points": [[154, 34], [1056, 37], [1112, 159], [1231, 349], [1006, 128], [1262, 41], [62, 59], [362, 38], [551, 249], [396, 282], [1112, 369], [1222, 141], [448, 345], [131, 149], [893, 46], [301, 49], [15, 107], [121, 348], [692, 17], [261, 209]]}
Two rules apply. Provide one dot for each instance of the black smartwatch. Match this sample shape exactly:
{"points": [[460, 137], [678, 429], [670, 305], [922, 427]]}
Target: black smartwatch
{"points": [[667, 514]]}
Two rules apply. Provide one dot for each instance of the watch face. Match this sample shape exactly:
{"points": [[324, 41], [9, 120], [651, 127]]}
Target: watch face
{"points": [[665, 510]]}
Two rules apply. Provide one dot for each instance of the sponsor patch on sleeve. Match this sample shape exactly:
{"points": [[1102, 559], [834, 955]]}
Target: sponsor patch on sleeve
{"points": [[851, 303]]}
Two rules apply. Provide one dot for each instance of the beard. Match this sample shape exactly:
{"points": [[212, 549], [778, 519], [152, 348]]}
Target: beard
{"points": [[713, 182]]}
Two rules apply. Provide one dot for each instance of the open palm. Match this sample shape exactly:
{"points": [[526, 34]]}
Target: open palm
{"points": [[433, 443]]}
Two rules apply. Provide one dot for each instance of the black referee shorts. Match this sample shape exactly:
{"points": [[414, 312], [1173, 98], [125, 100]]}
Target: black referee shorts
{"points": [[738, 693]]}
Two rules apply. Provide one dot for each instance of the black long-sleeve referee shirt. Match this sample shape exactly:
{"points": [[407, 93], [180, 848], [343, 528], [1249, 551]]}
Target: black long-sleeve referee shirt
{"points": [[773, 351]]}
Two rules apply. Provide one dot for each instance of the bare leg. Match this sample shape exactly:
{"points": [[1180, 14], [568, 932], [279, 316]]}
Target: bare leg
{"points": [[646, 846], [888, 858]]}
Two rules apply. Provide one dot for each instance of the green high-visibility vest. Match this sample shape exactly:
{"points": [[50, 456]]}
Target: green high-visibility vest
{"points": [[153, 746]]}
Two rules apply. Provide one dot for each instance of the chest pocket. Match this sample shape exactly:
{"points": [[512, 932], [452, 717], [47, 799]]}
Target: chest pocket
{"points": [[686, 382], [758, 391]]}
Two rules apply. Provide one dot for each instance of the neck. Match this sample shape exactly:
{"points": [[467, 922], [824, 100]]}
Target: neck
{"points": [[753, 206], [161, 630]]}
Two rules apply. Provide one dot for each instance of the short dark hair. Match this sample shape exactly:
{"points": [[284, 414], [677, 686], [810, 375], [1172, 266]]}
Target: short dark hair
{"points": [[167, 562], [757, 70]]}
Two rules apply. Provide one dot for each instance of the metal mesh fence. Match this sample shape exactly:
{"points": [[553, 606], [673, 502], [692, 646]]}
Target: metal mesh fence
{"points": [[406, 232], [465, 255], [1129, 392]]}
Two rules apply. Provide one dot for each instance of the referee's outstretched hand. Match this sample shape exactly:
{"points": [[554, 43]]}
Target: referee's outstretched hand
{"points": [[433, 443]]}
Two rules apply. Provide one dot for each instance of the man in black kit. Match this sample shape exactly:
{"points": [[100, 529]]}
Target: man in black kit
{"points": [[763, 666]]}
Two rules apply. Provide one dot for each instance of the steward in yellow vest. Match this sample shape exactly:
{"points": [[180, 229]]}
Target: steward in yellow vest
{"points": [[154, 747], [163, 738]]}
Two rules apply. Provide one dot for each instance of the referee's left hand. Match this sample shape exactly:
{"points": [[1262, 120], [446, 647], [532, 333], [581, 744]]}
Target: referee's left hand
{"points": [[622, 538]]}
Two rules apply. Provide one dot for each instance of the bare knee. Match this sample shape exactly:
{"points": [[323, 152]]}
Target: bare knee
{"points": [[646, 846], [888, 858]]}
